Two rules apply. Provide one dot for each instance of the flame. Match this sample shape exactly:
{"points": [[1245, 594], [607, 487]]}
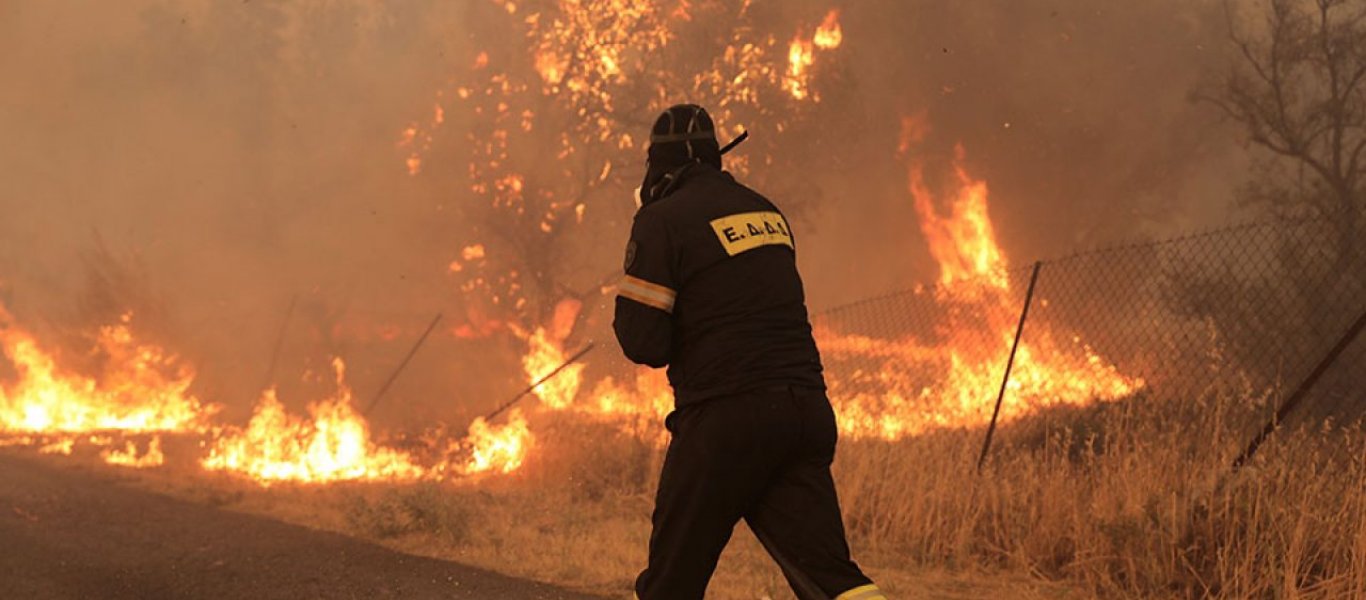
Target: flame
{"points": [[829, 35], [952, 381], [582, 57], [963, 243], [639, 409], [545, 353], [494, 448], [801, 55], [550, 66], [142, 388], [586, 54], [566, 314], [472, 252], [128, 455], [333, 444]]}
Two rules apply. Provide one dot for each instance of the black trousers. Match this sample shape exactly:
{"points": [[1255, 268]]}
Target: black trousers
{"points": [[763, 457]]}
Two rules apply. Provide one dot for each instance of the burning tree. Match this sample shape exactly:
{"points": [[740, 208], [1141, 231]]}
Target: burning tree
{"points": [[555, 132], [541, 141], [554, 145]]}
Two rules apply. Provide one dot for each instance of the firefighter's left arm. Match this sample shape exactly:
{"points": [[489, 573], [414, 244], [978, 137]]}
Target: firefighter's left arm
{"points": [[645, 299]]}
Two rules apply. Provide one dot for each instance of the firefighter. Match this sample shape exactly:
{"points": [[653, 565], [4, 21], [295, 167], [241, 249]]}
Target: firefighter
{"points": [[712, 292]]}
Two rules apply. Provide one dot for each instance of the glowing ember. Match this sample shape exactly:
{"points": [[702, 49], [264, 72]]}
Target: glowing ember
{"points": [[829, 35], [550, 67], [333, 444], [128, 455], [23, 440], [61, 446], [141, 387]]}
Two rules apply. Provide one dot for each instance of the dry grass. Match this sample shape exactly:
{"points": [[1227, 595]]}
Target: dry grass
{"points": [[1128, 500], [1135, 500]]}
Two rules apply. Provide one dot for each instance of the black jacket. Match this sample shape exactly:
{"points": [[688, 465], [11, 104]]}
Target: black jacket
{"points": [[712, 291]]}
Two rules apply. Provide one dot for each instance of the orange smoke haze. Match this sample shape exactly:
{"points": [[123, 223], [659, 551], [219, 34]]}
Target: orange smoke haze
{"points": [[229, 201]]}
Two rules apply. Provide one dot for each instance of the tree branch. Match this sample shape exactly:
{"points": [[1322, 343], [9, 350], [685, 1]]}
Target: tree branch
{"points": [[1354, 165]]}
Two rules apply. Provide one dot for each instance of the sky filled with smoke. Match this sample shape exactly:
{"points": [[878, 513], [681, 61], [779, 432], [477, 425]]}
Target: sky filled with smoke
{"points": [[205, 163]]}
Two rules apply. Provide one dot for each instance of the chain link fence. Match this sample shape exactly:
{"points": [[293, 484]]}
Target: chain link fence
{"points": [[1252, 308]]}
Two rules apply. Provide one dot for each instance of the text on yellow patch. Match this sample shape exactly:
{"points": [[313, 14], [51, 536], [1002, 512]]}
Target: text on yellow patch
{"points": [[747, 231]]}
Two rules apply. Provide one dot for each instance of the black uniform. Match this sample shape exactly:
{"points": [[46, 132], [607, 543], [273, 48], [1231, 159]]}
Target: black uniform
{"points": [[739, 323], [712, 291]]}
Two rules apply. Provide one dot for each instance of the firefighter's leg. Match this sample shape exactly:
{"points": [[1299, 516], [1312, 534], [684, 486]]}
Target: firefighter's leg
{"points": [[799, 516], [713, 469]]}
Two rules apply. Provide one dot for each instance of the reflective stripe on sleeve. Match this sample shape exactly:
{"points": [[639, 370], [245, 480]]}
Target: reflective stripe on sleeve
{"points": [[649, 294], [863, 592]]}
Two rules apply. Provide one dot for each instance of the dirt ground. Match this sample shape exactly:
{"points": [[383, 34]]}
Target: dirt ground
{"points": [[73, 528], [73, 532]]}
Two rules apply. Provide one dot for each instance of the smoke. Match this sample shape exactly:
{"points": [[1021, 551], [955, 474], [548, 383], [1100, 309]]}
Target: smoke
{"points": [[1077, 114], [235, 157], [239, 154]]}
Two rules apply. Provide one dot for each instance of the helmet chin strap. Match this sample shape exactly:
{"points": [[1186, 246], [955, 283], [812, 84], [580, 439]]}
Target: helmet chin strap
{"points": [[670, 180]]}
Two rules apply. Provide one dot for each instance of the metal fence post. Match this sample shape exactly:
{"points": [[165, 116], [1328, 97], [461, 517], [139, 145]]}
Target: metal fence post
{"points": [[547, 377], [279, 343], [1010, 362], [404, 363], [1284, 410]]}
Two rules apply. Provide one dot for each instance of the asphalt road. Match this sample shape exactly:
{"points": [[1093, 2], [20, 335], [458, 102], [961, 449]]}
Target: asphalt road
{"points": [[67, 533]]}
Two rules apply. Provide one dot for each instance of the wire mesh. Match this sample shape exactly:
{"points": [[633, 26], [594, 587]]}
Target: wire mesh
{"points": [[1253, 307]]}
